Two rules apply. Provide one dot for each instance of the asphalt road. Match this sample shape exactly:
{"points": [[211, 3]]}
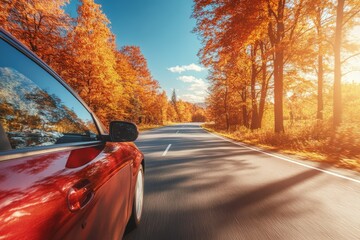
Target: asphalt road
{"points": [[205, 187]]}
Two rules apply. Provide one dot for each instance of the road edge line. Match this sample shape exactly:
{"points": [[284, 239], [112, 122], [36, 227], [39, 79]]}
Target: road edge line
{"points": [[285, 158]]}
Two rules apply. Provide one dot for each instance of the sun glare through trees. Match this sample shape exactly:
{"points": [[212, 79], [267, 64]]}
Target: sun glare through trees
{"points": [[283, 66]]}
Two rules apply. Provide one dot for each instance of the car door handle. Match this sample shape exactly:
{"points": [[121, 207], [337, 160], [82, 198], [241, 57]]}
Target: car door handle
{"points": [[80, 195]]}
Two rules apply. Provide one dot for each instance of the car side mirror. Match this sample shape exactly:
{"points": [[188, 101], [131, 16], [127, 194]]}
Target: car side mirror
{"points": [[121, 131]]}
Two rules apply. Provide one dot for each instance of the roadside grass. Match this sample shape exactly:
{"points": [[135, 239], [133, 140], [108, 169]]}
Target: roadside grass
{"points": [[310, 141], [146, 127]]}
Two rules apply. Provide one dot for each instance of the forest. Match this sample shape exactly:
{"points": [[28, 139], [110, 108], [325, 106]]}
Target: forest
{"points": [[278, 74], [283, 74], [115, 82]]}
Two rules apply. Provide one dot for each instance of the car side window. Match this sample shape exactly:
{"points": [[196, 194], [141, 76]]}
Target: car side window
{"points": [[36, 109]]}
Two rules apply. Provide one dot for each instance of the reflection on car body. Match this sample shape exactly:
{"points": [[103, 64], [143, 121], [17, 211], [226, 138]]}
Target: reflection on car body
{"points": [[62, 176]]}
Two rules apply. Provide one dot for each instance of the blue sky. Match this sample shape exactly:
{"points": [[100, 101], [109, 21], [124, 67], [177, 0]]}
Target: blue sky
{"points": [[162, 29]]}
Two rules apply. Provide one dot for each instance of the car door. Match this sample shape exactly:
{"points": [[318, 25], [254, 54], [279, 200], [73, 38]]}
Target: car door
{"points": [[58, 178]]}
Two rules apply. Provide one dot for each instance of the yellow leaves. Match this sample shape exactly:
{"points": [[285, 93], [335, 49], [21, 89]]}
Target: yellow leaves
{"points": [[39, 25], [115, 84]]}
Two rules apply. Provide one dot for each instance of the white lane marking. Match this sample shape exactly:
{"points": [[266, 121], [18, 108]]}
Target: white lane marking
{"points": [[166, 150], [288, 159], [177, 132]]}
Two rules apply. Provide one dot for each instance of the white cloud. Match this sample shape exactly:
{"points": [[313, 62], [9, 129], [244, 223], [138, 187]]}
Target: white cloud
{"points": [[193, 98], [198, 85], [197, 89], [187, 79], [200, 93], [183, 68]]}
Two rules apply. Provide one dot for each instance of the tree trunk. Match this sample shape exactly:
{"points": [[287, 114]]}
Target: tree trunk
{"points": [[276, 37], [264, 84], [244, 109], [278, 91], [226, 108], [320, 101], [254, 108], [320, 106], [337, 110]]}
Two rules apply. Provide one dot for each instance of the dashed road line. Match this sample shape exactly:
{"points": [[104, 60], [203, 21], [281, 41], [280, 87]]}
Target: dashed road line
{"points": [[166, 150]]}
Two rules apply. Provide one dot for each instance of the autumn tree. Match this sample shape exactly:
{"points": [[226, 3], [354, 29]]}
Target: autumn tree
{"points": [[129, 103], [337, 112], [146, 88], [93, 73], [347, 12], [318, 11], [228, 101], [171, 114], [227, 26], [40, 25], [174, 102], [199, 115], [143, 101], [115, 83], [163, 105]]}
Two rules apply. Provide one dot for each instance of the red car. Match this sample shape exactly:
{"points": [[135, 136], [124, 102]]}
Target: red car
{"points": [[62, 175]]}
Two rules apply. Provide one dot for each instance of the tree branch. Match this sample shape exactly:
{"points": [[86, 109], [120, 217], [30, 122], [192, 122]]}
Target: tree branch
{"points": [[342, 75], [354, 55], [350, 17]]}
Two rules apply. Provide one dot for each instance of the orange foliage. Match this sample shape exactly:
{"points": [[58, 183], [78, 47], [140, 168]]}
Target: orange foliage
{"points": [[38, 24], [279, 49], [273, 65], [116, 84]]}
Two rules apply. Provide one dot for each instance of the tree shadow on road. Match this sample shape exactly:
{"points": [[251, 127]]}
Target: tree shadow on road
{"points": [[203, 197], [258, 213]]}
